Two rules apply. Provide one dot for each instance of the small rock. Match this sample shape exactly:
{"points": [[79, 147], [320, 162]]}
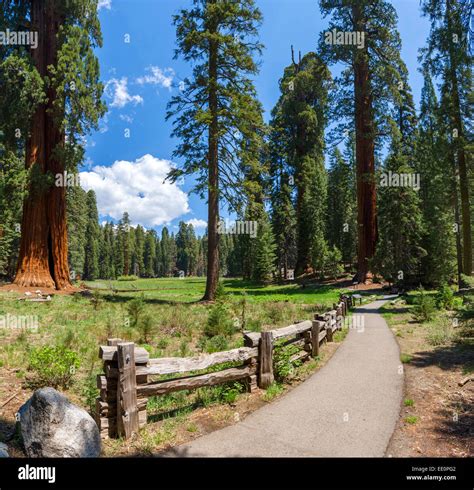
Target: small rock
{"points": [[52, 426], [4, 451], [27, 293]]}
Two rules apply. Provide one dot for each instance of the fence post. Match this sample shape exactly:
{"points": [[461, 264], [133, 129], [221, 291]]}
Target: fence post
{"points": [[315, 329], [265, 351], [127, 409]]}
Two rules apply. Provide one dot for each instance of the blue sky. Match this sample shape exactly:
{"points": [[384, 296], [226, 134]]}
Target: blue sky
{"points": [[140, 75]]}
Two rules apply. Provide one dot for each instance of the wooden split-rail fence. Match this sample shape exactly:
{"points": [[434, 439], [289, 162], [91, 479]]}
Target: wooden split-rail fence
{"points": [[127, 381]]}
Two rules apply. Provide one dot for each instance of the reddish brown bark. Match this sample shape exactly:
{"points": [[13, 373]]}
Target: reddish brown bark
{"points": [[365, 157], [43, 253], [213, 183]]}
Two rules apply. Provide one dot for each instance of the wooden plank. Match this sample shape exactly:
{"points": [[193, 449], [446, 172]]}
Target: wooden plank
{"points": [[109, 396], [170, 365], [300, 356], [142, 419], [127, 410], [315, 333], [114, 341], [322, 335], [251, 339], [265, 372], [101, 382], [109, 353], [105, 409], [141, 372], [329, 332], [193, 382]]}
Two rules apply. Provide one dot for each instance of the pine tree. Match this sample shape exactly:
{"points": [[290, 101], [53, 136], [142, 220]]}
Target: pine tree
{"points": [[217, 112], [448, 56], [106, 254], [302, 106], [283, 217], [138, 266], [77, 223], [438, 266], [341, 217], [149, 253], [91, 262], [265, 257], [124, 245], [167, 264], [363, 91]]}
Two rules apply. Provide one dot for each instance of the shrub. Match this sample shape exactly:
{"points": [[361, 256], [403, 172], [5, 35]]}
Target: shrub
{"points": [[90, 392], [276, 312], [441, 331], [283, 367], [135, 309], [53, 366], [96, 299], [127, 278], [445, 298], [145, 328], [219, 321], [424, 308], [215, 344], [405, 358]]}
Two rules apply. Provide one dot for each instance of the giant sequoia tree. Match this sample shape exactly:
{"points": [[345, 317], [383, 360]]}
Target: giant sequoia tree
{"points": [[216, 114], [367, 84], [69, 71], [300, 119]]}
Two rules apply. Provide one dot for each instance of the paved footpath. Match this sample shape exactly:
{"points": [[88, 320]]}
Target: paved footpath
{"points": [[348, 408]]}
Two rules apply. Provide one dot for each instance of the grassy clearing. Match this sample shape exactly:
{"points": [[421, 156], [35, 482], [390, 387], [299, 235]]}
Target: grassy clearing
{"points": [[162, 315]]}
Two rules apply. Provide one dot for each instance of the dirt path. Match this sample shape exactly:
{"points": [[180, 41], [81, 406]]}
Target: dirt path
{"points": [[348, 408]]}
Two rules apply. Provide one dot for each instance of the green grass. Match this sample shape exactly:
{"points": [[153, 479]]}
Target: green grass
{"points": [[273, 391], [191, 289], [177, 322], [411, 419], [408, 402], [405, 358]]}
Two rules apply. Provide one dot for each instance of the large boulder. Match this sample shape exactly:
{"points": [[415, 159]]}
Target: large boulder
{"points": [[3, 450], [52, 426]]}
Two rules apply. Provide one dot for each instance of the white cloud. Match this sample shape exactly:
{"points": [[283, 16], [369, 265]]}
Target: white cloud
{"points": [[117, 90], [126, 118], [197, 223], [104, 4], [157, 76], [137, 187]]}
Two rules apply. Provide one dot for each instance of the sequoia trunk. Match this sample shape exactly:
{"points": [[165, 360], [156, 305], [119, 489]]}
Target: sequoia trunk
{"points": [[43, 253], [365, 158]]}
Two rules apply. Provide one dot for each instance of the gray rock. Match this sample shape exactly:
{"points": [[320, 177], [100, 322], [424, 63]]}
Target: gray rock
{"points": [[52, 426], [3, 450]]}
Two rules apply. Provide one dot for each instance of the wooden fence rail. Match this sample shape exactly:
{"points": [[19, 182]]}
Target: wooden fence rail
{"points": [[125, 385]]}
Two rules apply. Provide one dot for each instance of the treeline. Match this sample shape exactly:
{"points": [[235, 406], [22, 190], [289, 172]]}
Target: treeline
{"points": [[109, 250]]}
